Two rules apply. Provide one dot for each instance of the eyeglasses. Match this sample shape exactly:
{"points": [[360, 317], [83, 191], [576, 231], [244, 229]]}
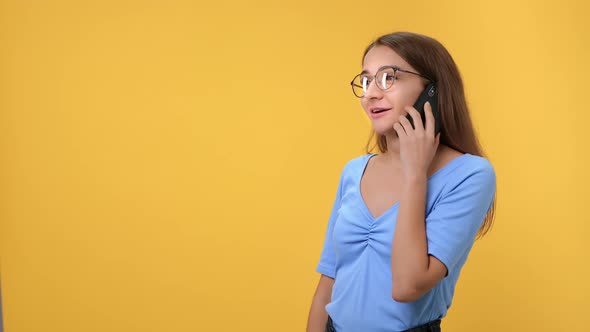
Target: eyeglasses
{"points": [[384, 79]]}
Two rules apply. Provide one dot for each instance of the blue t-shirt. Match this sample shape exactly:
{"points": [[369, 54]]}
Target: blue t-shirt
{"points": [[357, 247]]}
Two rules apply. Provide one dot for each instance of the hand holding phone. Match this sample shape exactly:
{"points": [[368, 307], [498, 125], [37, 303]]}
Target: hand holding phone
{"points": [[429, 94]]}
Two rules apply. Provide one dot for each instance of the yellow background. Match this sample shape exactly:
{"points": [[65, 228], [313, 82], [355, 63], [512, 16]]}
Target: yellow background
{"points": [[171, 165]]}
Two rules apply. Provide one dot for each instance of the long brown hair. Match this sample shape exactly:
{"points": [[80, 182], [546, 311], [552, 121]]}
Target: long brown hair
{"points": [[430, 58]]}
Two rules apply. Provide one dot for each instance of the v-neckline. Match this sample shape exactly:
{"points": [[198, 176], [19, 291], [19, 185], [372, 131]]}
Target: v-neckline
{"points": [[362, 199], [364, 168]]}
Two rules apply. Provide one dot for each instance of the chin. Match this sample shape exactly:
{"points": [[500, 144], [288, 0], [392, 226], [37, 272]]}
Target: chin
{"points": [[383, 128]]}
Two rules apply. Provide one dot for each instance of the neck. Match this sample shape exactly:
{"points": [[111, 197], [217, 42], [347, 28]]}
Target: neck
{"points": [[392, 155], [392, 152]]}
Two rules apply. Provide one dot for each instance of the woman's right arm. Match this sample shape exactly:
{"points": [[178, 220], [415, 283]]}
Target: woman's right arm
{"points": [[318, 317]]}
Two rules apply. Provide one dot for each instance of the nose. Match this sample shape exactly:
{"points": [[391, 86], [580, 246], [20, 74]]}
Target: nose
{"points": [[373, 91]]}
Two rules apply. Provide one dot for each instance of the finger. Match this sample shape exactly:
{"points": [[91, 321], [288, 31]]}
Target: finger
{"points": [[406, 124], [416, 118], [399, 129], [429, 119]]}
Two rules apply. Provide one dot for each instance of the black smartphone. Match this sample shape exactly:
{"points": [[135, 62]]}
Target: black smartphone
{"points": [[430, 94]]}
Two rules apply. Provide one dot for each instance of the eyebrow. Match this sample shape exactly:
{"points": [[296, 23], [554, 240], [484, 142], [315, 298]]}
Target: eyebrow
{"points": [[378, 69]]}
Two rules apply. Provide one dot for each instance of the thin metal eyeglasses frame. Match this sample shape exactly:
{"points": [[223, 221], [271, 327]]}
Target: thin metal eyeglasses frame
{"points": [[395, 70]]}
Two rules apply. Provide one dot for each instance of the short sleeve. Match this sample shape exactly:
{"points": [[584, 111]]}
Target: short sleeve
{"points": [[453, 223], [327, 263]]}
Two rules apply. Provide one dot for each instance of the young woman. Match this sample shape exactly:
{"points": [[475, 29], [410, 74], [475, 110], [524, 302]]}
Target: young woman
{"points": [[404, 220]]}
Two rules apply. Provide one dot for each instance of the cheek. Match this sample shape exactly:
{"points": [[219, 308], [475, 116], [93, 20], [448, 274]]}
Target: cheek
{"points": [[396, 101], [400, 99], [364, 105]]}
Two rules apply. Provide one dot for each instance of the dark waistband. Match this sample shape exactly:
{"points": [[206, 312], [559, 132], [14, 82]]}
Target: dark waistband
{"points": [[433, 326]]}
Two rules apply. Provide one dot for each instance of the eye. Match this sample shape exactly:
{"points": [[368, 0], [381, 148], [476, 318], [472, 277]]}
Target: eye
{"points": [[365, 80], [386, 79]]}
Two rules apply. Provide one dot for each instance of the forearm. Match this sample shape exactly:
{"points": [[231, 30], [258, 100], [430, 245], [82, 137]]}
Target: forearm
{"points": [[409, 254], [318, 317]]}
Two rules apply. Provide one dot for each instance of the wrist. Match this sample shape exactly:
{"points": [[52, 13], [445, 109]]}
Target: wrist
{"points": [[415, 178]]}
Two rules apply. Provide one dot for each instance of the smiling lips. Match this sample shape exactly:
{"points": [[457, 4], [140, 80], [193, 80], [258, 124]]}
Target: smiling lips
{"points": [[377, 112]]}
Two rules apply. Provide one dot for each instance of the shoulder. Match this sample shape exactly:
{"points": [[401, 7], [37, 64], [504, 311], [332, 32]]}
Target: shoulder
{"points": [[464, 161], [352, 168], [356, 163], [478, 165], [472, 170]]}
